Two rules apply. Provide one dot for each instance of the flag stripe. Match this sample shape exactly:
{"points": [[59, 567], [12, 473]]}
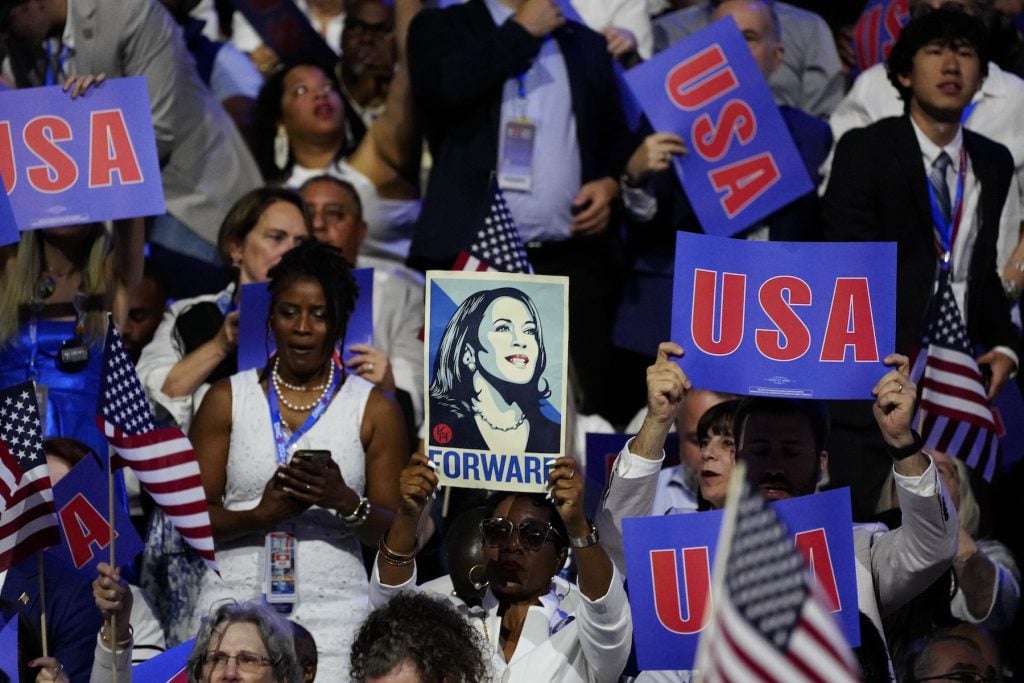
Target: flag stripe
{"points": [[161, 457]]}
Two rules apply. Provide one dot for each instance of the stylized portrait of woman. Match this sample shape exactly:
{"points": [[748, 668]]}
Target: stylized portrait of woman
{"points": [[488, 383]]}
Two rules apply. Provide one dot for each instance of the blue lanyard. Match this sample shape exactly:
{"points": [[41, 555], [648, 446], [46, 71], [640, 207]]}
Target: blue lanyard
{"points": [[319, 409], [968, 110], [51, 76], [946, 230]]}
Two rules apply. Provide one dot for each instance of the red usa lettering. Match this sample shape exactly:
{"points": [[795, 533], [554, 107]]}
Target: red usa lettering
{"points": [[697, 83], [683, 600], [111, 153], [718, 316]]}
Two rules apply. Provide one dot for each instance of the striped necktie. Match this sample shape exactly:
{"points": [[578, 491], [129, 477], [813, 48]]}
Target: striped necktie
{"points": [[940, 188]]}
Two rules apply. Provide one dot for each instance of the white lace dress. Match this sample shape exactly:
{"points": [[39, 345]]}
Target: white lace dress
{"points": [[332, 582]]}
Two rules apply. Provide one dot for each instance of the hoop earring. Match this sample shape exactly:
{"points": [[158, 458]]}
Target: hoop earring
{"points": [[477, 583], [281, 147]]}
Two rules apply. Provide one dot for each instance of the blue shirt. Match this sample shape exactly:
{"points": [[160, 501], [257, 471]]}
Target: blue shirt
{"points": [[542, 214]]}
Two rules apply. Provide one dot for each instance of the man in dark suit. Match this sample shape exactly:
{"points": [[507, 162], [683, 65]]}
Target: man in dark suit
{"points": [[937, 190], [488, 72]]}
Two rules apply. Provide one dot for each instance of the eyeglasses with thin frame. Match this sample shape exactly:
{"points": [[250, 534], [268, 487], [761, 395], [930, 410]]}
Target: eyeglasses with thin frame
{"points": [[244, 661], [532, 533], [960, 677]]}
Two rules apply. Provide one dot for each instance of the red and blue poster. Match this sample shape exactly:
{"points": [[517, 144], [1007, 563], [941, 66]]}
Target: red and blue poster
{"points": [[81, 499], [742, 164], [256, 343], [877, 29], [66, 162], [788, 319], [669, 561]]}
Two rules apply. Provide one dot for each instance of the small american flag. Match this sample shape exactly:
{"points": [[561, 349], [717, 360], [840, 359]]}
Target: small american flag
{"points": [[28, 522], [498, 246], [771, 623], [954, 415], [161, 458]]}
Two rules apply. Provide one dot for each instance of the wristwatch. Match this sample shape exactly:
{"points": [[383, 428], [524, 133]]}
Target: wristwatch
{"points": [[906, 451], [588, 540], [359, 515]]}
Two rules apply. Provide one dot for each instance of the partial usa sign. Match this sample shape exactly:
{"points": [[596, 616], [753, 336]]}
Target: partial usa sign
{"points": [[790, 319], [82, 510], [742, 164], [669, 560], [66, 162], [877, 29]]}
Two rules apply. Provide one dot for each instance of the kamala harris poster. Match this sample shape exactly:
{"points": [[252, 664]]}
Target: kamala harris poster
{"points": [[496, 356]]}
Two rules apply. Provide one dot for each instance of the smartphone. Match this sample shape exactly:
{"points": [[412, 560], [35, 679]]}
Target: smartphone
{"points": [[314, 456]]}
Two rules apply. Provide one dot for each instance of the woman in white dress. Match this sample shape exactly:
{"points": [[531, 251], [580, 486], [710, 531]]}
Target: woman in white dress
{"points": [[315, 510]]}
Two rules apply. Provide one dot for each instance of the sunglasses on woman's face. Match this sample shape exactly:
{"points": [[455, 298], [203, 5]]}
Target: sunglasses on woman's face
{"points": [[532, 533]]}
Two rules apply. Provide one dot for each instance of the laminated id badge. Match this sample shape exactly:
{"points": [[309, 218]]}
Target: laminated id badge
{"points": [[280, 588], [515, 159]]}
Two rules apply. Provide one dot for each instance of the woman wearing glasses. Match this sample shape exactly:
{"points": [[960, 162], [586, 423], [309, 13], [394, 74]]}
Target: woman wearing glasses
{"points": [[248, 642], [535, 625]]}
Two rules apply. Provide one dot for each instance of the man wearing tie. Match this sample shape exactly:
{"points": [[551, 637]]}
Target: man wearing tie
{"points": [[938, 191]]}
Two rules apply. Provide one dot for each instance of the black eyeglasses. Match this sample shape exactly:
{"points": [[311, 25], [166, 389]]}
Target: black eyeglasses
{"points": [[960, 677], [532, 533], [244, 661]]}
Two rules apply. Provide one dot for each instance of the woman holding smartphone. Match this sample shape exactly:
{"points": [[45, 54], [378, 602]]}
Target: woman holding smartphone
{"points": [[287, 517]]}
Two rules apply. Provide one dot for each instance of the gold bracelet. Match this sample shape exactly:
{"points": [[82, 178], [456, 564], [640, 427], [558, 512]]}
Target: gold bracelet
{"points": [[105, 637], [393, 558]]}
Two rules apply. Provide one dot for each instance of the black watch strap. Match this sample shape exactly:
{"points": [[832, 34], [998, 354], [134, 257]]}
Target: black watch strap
{"points": [[906, 451]]}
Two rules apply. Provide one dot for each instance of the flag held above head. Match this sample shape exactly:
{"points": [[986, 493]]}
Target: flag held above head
{"points": [[161, 457], [28, 521]]}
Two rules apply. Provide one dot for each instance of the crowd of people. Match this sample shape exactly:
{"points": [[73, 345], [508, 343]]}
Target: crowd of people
{"points": [[339, 555]]}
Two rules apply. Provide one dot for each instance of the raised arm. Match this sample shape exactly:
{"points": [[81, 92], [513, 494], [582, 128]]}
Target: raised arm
{"points": [[907, 560], [634, 480]]}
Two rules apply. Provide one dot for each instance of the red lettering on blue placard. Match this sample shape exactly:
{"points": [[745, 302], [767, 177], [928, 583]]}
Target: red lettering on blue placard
{"points": [[777, 296], [712, 141], [111, 150], [58, 171], [695, 601], [877, 30], [744, 181], [813, 545], [703, 78], [83, 525], [7, 169], [851, 322], [729, 316]]}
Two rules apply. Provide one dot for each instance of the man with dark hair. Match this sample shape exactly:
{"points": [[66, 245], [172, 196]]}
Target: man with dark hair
{"points": [[780, 441], [938, 191]]}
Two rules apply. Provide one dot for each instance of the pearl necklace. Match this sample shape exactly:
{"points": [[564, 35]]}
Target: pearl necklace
{"points": [[517, 425], [278, 380], [279, 383]]}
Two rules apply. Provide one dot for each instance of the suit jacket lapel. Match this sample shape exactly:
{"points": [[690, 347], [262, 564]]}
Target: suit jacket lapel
{"points": [[908, 155]]}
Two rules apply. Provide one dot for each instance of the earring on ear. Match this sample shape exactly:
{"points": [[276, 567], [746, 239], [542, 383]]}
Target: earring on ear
{"points": [[468, 360], [281, 147], [481, 582]]}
